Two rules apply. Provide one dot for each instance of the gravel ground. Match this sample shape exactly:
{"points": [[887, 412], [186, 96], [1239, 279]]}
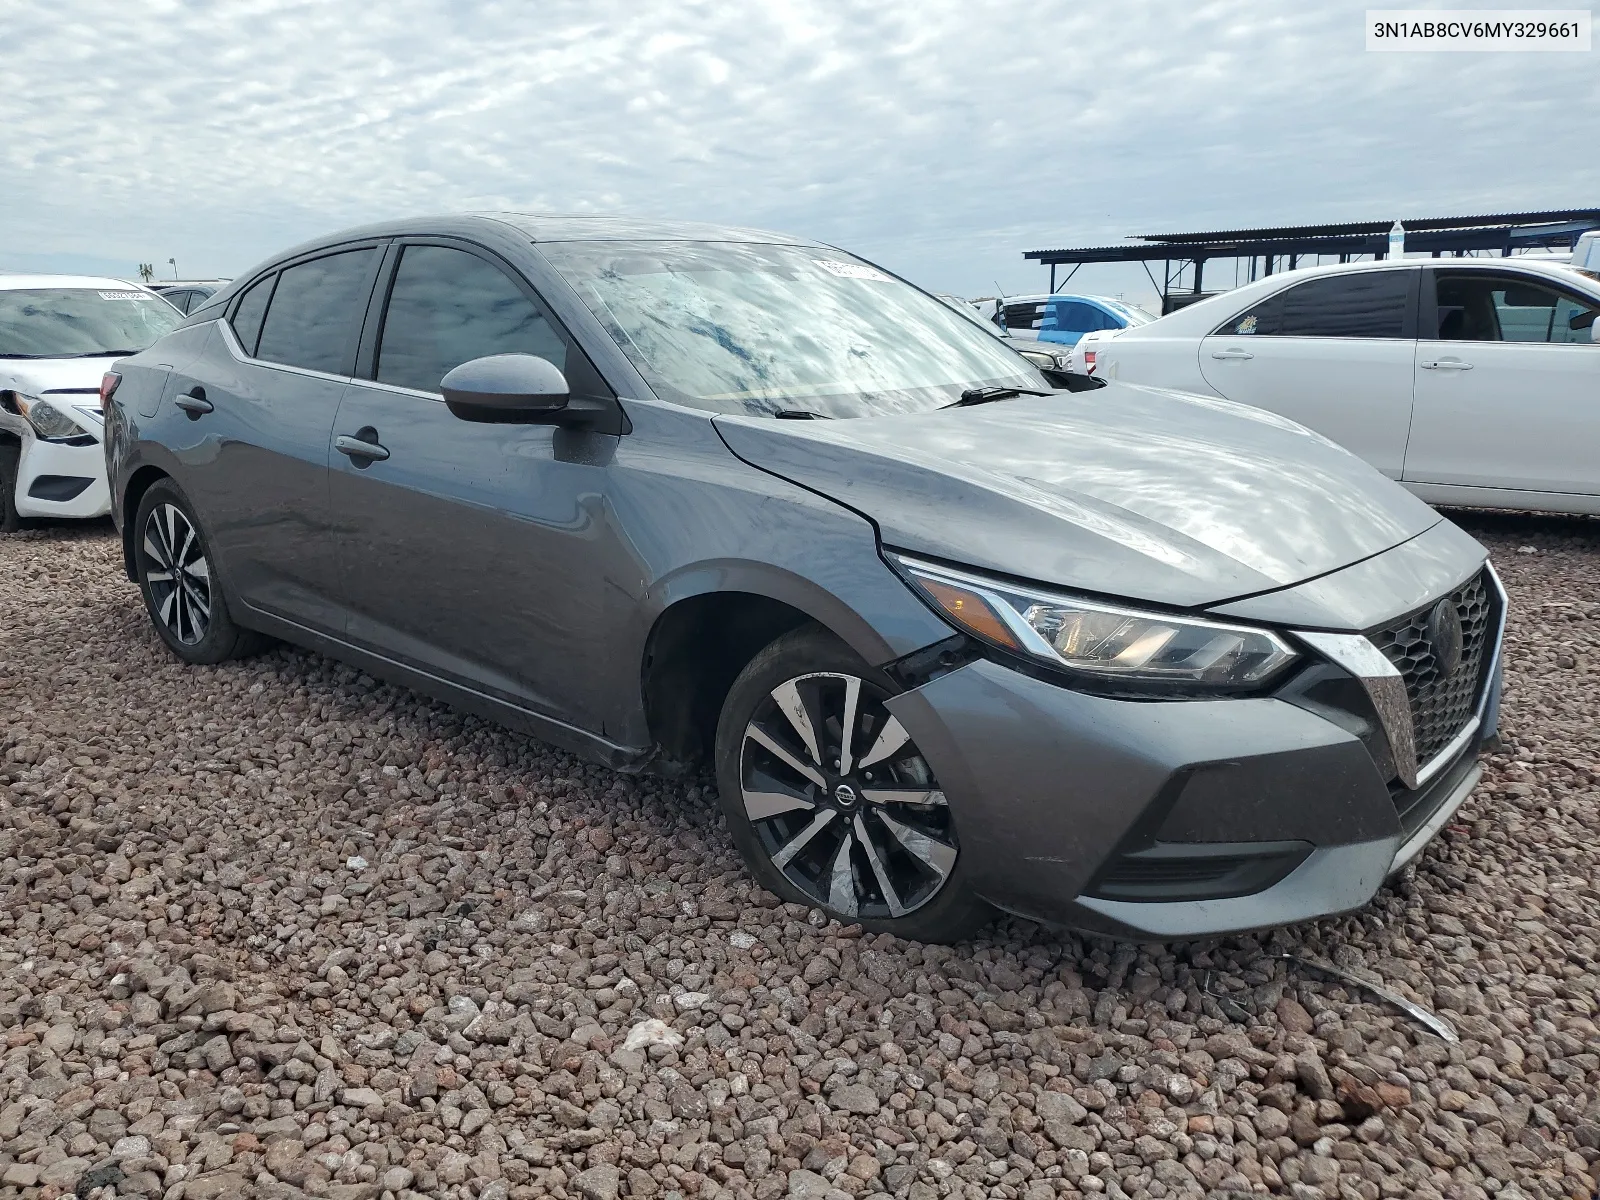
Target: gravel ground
{"points": [[272, 929]]}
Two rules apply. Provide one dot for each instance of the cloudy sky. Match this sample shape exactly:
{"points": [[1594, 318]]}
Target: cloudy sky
{"points": [[939, 137]]}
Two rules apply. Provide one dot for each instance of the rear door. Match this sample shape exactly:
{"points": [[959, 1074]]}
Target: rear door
{"points": [[253, 425], [472, 551], [1335, 353], [1508, 385]]}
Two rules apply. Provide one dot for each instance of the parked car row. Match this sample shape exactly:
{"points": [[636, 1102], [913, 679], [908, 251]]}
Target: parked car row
{"points": [[1139, 662], [954, 635]]}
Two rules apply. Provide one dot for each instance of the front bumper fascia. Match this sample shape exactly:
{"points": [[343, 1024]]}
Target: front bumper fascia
{"points": [[1048, 785], [42, 459]]}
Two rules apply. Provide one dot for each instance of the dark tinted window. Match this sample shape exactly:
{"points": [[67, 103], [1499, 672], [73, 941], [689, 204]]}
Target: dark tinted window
{"points": [[316, 310], [1495, 308], [448, 307], [1024, 316], [1364, 304], [1264, 320], [247, 317], [1077, 316]]}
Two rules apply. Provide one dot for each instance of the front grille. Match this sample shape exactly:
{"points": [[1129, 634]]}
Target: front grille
{"points": [[1441, 704]]}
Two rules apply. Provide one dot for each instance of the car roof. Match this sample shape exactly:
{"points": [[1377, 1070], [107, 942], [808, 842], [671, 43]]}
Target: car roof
{"points": [[536, 227], [559, 227], [550, 227], [19, 282]]}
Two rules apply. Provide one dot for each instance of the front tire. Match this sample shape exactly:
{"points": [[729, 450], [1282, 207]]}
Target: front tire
{"points": [[10, 457], [829, 799], [178, 581]]}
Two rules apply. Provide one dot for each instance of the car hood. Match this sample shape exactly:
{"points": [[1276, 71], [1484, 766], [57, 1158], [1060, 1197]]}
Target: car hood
{"points": [[1125, 491], [36, 375]]}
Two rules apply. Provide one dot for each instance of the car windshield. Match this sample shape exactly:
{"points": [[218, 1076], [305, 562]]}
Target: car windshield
{"points": [[68, 322], [760, 329]]}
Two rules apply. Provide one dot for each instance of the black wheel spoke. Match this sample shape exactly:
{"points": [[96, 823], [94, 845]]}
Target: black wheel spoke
{"points": [[842, 801]]}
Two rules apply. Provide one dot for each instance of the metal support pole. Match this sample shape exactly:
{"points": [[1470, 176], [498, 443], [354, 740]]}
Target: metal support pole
{"points": [[1199, 268]]}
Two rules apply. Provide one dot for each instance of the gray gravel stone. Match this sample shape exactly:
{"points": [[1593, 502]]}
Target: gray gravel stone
{"points": [[532, 988]]}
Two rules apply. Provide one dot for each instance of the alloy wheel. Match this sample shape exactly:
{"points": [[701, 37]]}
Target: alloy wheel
{"points": [[843, 802], [177, 574]]}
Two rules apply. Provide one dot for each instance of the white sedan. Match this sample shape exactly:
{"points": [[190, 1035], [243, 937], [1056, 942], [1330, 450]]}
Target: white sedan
{"points": [[1472, 381], [58, 336]]}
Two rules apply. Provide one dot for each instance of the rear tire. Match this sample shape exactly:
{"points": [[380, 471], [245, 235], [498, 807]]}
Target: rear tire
{"points": [[179, 582], [10, 456], [829, 799]]}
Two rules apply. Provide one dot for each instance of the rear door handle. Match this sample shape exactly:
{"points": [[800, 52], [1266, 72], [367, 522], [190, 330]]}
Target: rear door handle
{"points": [[359, 447], [1445, 364], [195, 403], [1241, 355]]}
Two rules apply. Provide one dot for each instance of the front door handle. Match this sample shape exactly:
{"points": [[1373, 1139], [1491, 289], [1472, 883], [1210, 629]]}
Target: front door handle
{"points": [[195, 403], [365, 449], [1445, 364], [1240, 355]]}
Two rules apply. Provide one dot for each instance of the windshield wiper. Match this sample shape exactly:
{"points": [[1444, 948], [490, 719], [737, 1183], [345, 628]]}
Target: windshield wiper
{"points": [[9, 354], [983, 395], [800, 414], [102, 354]]}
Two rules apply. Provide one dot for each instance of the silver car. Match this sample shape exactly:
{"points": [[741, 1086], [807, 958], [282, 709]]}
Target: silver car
{"points": [[1126, 660]]}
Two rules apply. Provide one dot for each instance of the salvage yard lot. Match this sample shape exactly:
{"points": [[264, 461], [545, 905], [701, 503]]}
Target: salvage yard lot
{"points": [[273, 928]]}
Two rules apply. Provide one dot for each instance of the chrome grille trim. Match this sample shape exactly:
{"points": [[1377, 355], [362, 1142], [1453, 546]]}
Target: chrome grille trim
{"points": [[1396, 703], [1442, 705]]}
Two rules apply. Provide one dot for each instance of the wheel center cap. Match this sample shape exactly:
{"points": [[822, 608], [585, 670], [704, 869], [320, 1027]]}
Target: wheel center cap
{"points": [[844, 796]]}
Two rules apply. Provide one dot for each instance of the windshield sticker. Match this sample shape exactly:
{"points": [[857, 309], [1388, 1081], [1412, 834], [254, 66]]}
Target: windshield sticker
{"points": [[121, 295], [1248, 325], [849, 270]]}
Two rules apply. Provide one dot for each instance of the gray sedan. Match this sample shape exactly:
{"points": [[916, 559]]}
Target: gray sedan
{"points": [[1132, 661]]}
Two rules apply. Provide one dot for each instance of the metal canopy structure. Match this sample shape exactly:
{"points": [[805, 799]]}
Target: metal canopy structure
{"points": [[1282, 247]]}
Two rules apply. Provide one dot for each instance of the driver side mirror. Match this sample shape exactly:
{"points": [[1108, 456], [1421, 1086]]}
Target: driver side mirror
{"points": [[506, 389]]}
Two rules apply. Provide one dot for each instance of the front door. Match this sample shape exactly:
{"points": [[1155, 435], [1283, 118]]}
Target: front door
{"points": [[254, 442], [1508, 386], [1334, 353], [472, 551]]}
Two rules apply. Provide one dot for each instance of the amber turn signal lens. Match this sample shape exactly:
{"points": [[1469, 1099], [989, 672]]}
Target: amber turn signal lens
{"points": [[970, 611]]}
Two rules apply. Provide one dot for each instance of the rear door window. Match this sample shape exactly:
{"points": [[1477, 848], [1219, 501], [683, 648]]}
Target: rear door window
{"points": [[316, 311], [1261, 320], [448, 307], [1363, 304]]}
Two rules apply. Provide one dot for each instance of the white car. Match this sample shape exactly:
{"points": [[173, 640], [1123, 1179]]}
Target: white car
{"points": [[59, 335], [1472, 381], [1085, 355]]}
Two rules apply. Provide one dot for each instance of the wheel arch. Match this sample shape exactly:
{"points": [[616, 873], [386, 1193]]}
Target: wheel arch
{"points": [[713, 617], [140, 482], [696, 649]]}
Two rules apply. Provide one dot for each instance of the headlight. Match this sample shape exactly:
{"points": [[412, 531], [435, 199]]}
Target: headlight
{"points": [[1116, 646], [48, 421], [1043, 358]]}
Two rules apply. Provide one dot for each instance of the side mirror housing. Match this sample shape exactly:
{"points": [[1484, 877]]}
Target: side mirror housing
{"points": [[506, 389]]}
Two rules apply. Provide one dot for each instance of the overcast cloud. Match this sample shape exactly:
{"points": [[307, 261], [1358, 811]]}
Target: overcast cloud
{"points": [[939, 137]]}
